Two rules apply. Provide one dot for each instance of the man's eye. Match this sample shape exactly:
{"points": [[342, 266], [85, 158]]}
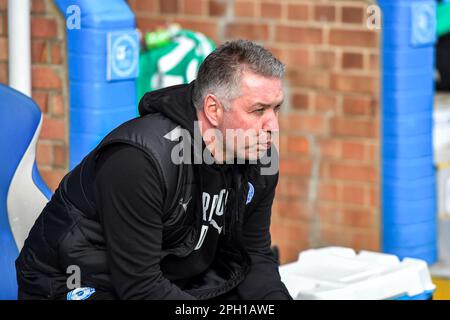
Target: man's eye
{"points": [[260, 111]]}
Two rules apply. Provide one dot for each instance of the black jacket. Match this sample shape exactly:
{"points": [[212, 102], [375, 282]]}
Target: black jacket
{"points": [[70, 229]]}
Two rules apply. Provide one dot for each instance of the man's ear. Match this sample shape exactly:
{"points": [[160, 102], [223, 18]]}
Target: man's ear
{"points": [[213, 110]]}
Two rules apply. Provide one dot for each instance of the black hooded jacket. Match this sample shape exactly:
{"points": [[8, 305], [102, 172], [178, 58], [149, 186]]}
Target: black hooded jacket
{"points": [[141, 226]]}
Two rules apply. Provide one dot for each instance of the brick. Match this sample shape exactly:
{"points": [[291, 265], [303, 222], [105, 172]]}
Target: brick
{"points": [[374, 62], [330, 148], [52, 177], [324, 102], [352, 60], [38, 6], [39, 51], [60, 155], [270, 10], [352, 172], [353, 15], [193, 7], [43, 153], [150, 24], [354, 38], [331, 235], [149, 6], [329, 213], [374, 196], [58, 108], [295, 57], [366, 239], [308, 78], [347, 127], [5, 23], [292, 188], [323, 169], [353, 150], [283, 141], [276, 232], [354, 194], [168, 6], [41, 98], [216, 8], [244, 8], [251, 31], [3, 72], [56, 53], [53, 129], [359, 105], [324, 13], [300, 101], [299, 35], [328, 191], [311, 124], [3, 4], [374, 241], [3, 48], [43, 28], [45, 78], [298, 145], [362, 218], [295, 167], [206, 27], [2, 24], [292, 210], [354, 83], [296, 232], [298, 12], [324, 59], [373, 152]]}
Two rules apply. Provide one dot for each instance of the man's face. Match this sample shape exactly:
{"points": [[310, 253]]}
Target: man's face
{"points": [[251, 124]]}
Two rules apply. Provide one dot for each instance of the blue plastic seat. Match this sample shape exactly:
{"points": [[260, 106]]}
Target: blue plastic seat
{"points": [[23, 194]]}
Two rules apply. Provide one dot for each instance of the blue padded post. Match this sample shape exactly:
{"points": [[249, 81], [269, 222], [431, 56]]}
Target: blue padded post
{"points": [[408, 174], [103, 52]]}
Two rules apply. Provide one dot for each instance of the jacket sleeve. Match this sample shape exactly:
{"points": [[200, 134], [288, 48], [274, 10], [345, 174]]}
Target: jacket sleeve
{"points": [[263, 280], [129, 197]]}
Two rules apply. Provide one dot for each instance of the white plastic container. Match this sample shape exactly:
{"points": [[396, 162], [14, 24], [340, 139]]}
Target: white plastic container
{"points": [[338, 273]]}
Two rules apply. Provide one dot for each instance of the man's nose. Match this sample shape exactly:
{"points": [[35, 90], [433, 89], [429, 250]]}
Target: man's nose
{"points": [[271, 122]]}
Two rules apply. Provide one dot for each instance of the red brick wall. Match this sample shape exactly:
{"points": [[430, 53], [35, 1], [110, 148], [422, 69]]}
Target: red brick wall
{"points": [[328, 190], [329, 186], [49, 84]]}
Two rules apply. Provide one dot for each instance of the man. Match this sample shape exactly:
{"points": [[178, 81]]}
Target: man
{"points": [[148, 215]]}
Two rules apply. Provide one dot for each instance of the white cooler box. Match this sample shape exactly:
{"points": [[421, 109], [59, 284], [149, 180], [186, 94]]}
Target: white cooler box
{"points": [[338, 273]]}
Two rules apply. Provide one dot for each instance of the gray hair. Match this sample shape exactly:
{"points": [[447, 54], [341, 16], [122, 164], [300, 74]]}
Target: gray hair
{"points": [[220, 73]]}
